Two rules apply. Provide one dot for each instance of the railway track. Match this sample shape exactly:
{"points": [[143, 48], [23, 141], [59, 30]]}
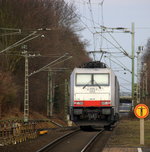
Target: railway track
{"points": [[91, 142], [49, 146], [76, 141]]}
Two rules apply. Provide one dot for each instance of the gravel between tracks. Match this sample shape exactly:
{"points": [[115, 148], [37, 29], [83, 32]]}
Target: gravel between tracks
{"points": [[34, 145]]}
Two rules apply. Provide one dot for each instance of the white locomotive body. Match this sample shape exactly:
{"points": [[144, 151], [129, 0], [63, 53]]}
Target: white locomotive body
{"points": [[94, 97]]}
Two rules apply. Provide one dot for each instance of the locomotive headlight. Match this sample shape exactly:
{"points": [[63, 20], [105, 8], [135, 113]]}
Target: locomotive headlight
{"points": [[105, 103], [79, 103]]}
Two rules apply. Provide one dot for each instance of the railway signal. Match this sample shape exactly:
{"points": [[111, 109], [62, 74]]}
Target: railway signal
{"points": [[141, 111]]}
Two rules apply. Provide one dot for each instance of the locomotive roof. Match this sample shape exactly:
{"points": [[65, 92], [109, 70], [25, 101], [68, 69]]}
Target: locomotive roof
{"points": [[93, 64]]}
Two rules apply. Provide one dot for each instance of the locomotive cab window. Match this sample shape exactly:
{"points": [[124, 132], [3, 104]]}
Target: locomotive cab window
{"points": [[101, 79], [83, 79]]}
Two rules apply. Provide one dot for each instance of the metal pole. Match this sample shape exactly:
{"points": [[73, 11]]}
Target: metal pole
{"points": [[49, 95], [133, 33], [140, 48], [26, 89], [142, 131], [66, 98]]}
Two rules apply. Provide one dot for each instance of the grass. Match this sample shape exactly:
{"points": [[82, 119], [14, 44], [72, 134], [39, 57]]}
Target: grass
{"points": [[127, 133]]}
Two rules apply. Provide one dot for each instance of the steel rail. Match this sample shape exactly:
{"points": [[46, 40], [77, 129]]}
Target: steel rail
{"points": [[89, 144], [56, 141]]}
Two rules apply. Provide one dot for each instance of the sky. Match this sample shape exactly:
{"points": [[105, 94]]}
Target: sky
{"points": [[112, 14]]}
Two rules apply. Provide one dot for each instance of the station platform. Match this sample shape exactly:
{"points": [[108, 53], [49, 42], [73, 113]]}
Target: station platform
{"points": [[120, 149]]}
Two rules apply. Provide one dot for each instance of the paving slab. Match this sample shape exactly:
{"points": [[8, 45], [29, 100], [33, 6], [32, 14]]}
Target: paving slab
{"points": [[120, 149]]}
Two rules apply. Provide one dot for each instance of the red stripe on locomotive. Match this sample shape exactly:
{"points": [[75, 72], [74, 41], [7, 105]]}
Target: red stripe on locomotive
{"points": [[90, 103]]}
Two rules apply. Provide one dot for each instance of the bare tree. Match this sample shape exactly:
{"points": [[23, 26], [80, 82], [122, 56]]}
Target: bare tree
{"points": [[30, 15], [146, 59], [8, 92]]}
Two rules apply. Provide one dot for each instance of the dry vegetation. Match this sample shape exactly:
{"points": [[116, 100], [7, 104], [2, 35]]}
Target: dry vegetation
{"points": [[30, 15], [127, 134], [146, 59]]}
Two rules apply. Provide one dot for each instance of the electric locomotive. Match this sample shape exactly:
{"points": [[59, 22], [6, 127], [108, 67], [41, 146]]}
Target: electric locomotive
{"points": [[94, 95]]}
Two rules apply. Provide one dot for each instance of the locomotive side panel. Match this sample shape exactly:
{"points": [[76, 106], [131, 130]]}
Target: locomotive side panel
{"points": [[114, 92], [117, 96]]}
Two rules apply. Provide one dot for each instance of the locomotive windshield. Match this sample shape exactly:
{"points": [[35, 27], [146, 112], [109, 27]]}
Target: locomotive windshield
{"points": [[92, 79], [83, 79], [101, 79]]}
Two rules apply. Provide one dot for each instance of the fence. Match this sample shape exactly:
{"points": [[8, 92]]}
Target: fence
{"points": [[16, 131]]}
